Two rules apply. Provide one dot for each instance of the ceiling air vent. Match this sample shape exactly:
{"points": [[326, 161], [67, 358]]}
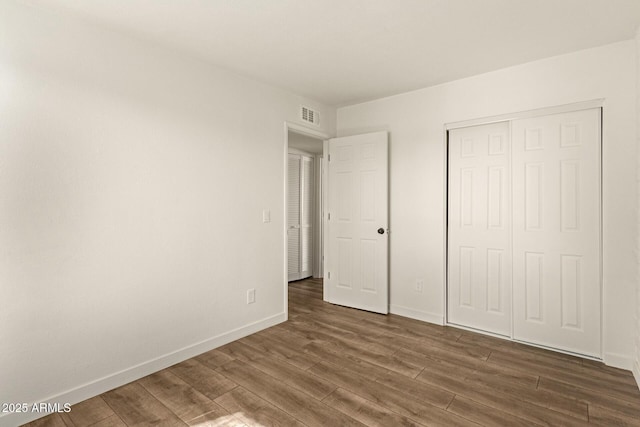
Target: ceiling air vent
{"points": [[309, 116]]}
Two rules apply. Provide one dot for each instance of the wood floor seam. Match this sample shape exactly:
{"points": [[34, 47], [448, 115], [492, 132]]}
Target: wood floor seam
{"points": [[106, 403], [450, 402]]}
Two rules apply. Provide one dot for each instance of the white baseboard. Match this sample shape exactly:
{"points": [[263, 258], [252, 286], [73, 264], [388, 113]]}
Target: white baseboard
{"points": [[117, 379], [636, 372], [618, 361], [416, 314]]}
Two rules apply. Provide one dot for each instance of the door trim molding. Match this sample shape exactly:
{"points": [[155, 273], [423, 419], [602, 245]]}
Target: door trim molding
{"points": [[546, 111], [325, 226]]}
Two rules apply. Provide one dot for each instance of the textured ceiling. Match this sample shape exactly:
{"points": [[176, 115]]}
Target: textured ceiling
{"points": [[346, 51]]}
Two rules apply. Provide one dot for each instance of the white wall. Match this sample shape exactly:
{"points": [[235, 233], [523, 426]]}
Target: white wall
{"points": [[305, 143], [417, 159], [132, 183]]}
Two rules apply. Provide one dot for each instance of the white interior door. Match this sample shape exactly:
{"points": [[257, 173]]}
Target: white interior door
{"points": [[306, 216], [556, 231], [479, 228], [356, 254], [300, 205]]}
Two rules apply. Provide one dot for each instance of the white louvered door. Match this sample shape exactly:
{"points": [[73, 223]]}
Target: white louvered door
{"points": [[479, 292], [293, 217], [300, 216]]}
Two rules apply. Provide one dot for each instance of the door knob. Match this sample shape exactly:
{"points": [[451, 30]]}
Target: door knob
{"points": [[380, 230]]}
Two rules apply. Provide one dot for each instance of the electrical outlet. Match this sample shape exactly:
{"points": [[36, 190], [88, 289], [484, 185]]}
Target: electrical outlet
{"points": [[419, 285], [251, 296]]}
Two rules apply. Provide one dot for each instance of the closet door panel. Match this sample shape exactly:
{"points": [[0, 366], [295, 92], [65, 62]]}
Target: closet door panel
{"points": [[556, 231], [479, 254]]}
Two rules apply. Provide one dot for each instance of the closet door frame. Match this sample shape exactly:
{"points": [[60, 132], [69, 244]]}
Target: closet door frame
{"points": [[595, 103]]}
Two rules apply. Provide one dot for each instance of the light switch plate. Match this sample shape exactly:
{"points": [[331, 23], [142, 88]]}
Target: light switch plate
{"points": [[266, 215]]}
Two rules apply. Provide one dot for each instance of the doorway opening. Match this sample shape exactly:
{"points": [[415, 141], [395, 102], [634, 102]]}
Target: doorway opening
{"points": [[350, 250], [303, 189], [304, 207]]}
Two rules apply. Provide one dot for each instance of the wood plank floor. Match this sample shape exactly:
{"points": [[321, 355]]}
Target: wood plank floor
{"points": [[334, 366]]}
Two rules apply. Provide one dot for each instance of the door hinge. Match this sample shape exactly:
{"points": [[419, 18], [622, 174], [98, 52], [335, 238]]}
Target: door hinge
{"points": [[329, 275], [329, 216], [329, 158]]}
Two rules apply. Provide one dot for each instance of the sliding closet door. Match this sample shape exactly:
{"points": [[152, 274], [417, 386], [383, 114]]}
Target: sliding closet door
{"points": [[300, 216], [556, 231], [479, 254]]}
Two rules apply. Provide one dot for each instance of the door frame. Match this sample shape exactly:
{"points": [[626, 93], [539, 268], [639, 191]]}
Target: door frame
{"points": [[313, 133], [565, 108]]}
